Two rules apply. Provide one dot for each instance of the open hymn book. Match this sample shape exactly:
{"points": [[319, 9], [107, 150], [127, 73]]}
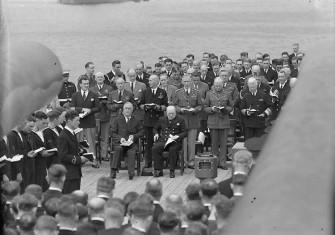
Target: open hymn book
{"points": [[15, 158]]}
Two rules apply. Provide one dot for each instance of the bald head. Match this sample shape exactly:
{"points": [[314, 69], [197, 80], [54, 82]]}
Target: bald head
{"points": [[80, 197], [96, 206], [171, 112], [196, 65], [154, 188], [174, 203]]}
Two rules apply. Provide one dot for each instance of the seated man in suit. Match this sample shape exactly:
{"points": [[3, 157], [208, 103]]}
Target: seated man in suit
{"points": [[167, 126], [125, 129]]}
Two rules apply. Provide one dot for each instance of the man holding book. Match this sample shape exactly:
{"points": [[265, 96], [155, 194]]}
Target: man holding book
{"points": [[68, 152], [86, 103], [103, 116], [126, 130], [218, 104]]}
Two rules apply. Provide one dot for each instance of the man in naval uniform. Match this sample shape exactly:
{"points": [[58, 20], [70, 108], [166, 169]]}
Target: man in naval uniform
{"points": [[166, 126]]}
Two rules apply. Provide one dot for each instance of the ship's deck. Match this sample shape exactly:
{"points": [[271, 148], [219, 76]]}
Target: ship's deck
{"points": [[123, 184]]}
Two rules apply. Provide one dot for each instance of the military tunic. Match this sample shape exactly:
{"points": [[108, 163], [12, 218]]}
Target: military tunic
{"points": [[66, 92], [187, 101]]}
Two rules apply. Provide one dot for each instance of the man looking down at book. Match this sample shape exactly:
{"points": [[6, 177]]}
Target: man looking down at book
{"points": [[87, 104], [68, 152], [256, 105], [125, 130], [188, 105], [169, 132], [218, 104]]}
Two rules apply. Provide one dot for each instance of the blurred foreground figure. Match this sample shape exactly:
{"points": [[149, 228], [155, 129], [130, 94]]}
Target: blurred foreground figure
{"points": [[30, 76]]}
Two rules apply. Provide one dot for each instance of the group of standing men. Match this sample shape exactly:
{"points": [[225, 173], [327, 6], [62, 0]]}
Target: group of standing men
{"points": [[174, 102]]}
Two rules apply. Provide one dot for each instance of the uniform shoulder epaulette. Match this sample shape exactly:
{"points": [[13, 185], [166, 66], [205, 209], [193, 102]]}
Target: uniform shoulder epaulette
{"points": [[180, 89]]}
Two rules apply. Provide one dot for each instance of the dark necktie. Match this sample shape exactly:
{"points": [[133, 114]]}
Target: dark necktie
{"points": [[132, 86], [120, 95], [153, 92], [100, 87], [84, 95], [187, 92]]}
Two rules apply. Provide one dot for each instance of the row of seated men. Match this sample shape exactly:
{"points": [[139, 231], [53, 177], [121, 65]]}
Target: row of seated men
{"points": [[205, 210]]}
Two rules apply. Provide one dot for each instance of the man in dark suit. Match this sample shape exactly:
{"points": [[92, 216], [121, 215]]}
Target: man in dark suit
{"points": [[115, 72], [96, 213], [103, 116], [68, 151], [206, 77], [86, 103], [89, 75], [154, 102], [295, 48], [125, 130], [255, 106], [247, 68], [268, 72], [168, 67], [141, 76], [114, 213], [232, 78], [170, 89], [279, 92], [155, 188], [166, 126], [56, 179], [137, 89], [118, 98]]}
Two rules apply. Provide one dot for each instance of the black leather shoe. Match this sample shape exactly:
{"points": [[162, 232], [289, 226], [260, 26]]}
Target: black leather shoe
{"points": [[172, 175], [149, 165], [158, 173], [223, 167], [113, 174], [131, 176]]}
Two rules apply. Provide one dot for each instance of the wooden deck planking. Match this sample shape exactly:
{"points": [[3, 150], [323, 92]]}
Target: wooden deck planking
{"points": [[124, 185]]}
